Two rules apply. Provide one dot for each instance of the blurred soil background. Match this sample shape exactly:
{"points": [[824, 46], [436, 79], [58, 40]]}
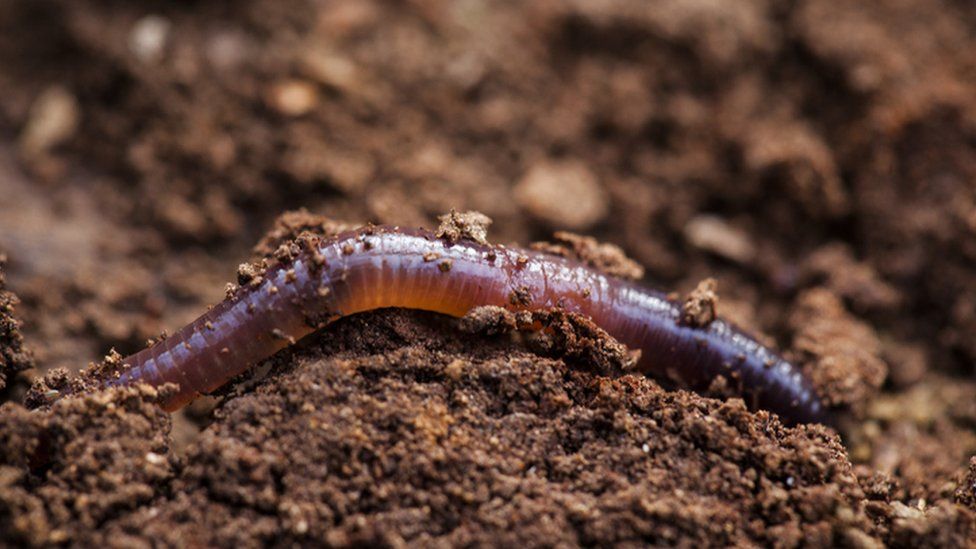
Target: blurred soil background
{"points": [[817, 158]]}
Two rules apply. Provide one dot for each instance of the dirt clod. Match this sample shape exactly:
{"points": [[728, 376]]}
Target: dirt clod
{"points": [[14, 356], [699, 309], [296, 226], [558, 334], [841, 353], [67, 469], [455, 226], [835, 267], [603, 256]]}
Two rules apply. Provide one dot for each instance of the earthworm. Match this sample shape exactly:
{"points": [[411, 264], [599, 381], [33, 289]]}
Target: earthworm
{"points": [[378, 267]]}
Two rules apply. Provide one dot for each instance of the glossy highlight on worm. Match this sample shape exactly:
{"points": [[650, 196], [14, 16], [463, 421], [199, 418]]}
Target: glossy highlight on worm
{"points": [[379, 267]]}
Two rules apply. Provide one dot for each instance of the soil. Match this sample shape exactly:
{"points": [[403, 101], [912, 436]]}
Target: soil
{"points": [[14, 358], [814, 158]]}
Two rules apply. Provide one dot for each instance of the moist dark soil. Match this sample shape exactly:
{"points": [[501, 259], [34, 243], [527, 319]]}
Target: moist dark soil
{"points": [[807, 165]]}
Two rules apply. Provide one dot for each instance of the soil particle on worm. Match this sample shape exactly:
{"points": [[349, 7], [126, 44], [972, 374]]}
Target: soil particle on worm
{"points": [[603, 256], [699, 309], [290, 226], [469, 225]]}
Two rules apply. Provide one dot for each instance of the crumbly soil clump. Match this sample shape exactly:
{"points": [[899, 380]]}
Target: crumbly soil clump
{"points": [[14, 356]]}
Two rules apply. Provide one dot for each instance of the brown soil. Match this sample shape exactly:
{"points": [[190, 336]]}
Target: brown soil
{"points": [[14, 358], [816, 158]]}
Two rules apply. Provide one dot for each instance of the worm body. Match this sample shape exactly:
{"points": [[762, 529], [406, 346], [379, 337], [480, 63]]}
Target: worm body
{"points": [[388, 267]]}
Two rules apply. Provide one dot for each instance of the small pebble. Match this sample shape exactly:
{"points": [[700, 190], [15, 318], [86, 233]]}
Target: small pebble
{"points": [[563, 194], [714, 234], [293, 97], [148, 38], [331, 69], [53, 119]]}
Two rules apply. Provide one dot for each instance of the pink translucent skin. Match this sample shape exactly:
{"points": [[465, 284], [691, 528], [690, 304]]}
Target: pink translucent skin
{"points": [[387, 267]]}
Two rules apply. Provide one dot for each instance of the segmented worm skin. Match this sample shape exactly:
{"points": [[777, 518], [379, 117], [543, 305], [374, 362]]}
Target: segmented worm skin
{"points": [[387, 267]]}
